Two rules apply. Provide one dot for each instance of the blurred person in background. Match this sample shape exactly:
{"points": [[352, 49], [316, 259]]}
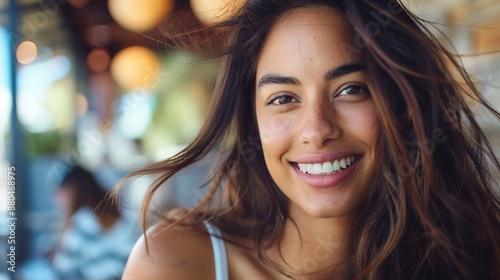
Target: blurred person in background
{"points": [[96, 239]]}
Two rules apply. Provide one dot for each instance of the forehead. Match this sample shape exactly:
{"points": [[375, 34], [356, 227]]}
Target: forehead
{"points": [[313, 37]]}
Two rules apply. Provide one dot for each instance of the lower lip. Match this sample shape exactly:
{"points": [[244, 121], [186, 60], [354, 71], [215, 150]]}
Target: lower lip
{"points": [[326, 181]]}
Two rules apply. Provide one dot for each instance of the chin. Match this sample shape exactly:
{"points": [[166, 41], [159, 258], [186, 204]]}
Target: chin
{"points": [[331, 210]]}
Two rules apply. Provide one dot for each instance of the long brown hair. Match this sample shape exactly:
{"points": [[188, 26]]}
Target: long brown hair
{"points": [[432, 212]]}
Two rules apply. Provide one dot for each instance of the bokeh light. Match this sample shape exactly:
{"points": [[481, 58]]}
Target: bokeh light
{"points": [[59, 104], [26, 52], [37, 90], [100, 35], [211, 11], [79, 3], [5, 109], [139, 15], [81, 104], [135, 67], [135, 110], [5, 83], [98, 60]]}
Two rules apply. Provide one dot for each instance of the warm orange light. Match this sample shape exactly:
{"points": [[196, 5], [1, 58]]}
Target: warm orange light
{"points": [[79, 3], [211, 11], [26, 52], [135, 67], [98, 60], [139, 15]]}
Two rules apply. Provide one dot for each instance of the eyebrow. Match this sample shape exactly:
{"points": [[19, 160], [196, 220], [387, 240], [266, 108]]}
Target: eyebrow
{"points": [[276, 79], [342, 70], [331, 74]]}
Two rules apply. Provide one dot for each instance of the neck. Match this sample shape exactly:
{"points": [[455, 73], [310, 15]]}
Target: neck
{"points": [[319, 247]]}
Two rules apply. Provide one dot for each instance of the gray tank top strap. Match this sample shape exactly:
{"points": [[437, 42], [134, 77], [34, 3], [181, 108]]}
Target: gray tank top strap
{"points": [[220, 256]]}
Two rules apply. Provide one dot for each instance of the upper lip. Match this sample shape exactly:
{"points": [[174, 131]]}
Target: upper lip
{"points": [[323, 157]]}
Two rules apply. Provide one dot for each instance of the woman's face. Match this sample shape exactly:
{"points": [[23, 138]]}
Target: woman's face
{"points": [[65, 197], [316, 118]]}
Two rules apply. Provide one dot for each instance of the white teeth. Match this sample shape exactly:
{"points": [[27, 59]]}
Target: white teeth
{"points": [[309, 168], [342, 163], [336, 165], [326, 168], [317, 168]]}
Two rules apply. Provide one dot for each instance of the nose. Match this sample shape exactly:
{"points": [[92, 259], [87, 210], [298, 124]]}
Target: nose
{"points": [[319, 124]]}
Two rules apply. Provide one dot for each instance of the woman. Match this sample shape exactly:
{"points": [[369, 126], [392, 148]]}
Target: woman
{"points": [[347, 152], [96, 238]]}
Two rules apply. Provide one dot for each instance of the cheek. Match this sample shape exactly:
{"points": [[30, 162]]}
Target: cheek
{"points": [[63, 199], [276, 134], [363, 123]]}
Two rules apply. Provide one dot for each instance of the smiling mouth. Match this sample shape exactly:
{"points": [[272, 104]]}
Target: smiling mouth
{"points": [[328, 167]]}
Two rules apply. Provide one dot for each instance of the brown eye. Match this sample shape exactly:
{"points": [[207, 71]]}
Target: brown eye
{"points": [[283, 99], [354, 89]]}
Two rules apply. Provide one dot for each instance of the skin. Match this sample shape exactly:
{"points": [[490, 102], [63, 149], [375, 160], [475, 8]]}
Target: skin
{"points": [[64, 198], [315, 117], [312, 117]]}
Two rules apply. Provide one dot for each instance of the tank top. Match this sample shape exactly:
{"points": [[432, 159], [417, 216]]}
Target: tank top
{"points": [[219, 248]]}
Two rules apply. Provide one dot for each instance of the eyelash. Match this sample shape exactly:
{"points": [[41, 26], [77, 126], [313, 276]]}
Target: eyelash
{"points": [[276, 96], [362, 89], [358, 85]]}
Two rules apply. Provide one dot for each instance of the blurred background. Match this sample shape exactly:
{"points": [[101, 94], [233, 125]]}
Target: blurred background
{"points": [[88, 83]]}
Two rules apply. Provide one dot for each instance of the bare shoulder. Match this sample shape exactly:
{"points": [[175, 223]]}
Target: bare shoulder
{"points": [[177, 253]]}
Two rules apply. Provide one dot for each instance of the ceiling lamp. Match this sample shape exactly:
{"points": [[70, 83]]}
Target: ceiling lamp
{"points": [[140, 15], [26, 52], [135, 68], [212, 11], [98, 60]]}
